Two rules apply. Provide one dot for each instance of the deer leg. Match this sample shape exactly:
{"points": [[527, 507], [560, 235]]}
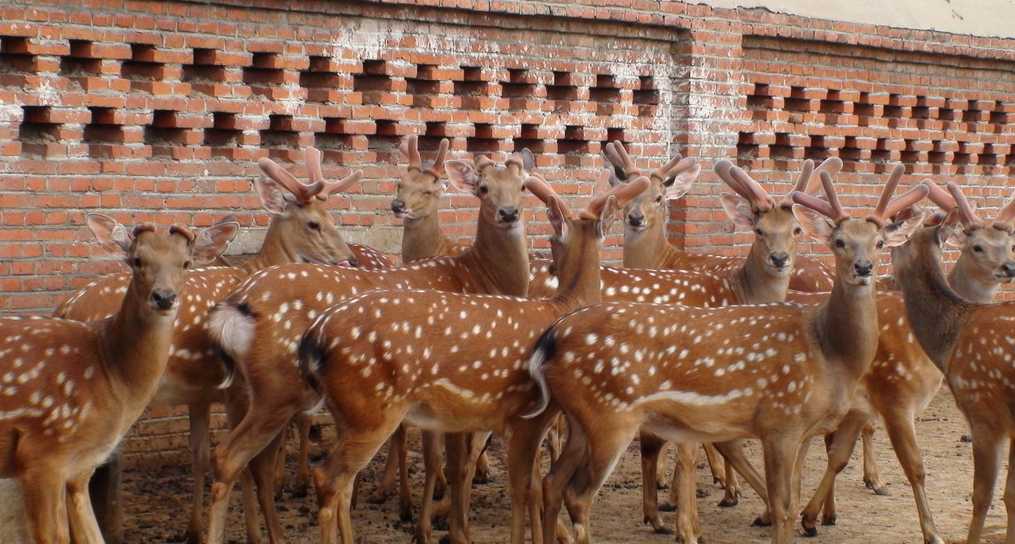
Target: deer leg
{"points": [[404, 492], [733, 452], [605, 449], [263, 468], [387, 484], [83, 525], [482, 471], [780, 458], [1009, 494], [461, 455], [45, 493], [523, 447], [840, 446], [871, 473], [562, 471], [431, 463], [714, 466], [687, 510], [104, 489], [731, 486], [902, 434], [651, 446], [303, 426], [200, 459], [987, 444]]}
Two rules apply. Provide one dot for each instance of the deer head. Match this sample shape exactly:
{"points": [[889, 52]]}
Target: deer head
{"points": [[498, 187], [776, 229], [419, 190], [854, 241], [988, 246], [158, 262], [302, 229], [650, 209]]}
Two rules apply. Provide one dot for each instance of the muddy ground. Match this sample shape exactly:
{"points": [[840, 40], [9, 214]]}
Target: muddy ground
{"points": [[158, 499]]}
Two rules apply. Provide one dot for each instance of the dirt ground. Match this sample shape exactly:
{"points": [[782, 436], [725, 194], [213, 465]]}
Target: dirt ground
{"points": [[157, 500]]}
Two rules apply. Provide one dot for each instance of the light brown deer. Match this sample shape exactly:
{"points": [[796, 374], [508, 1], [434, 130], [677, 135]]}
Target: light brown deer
{"points": [[779, 372], [301, 230], [71, 390], [971, 344], [446, 362], [259, 326]]}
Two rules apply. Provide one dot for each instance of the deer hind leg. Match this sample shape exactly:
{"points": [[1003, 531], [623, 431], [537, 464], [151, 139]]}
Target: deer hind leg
{"points": [[730, 483], [387, 484], [335, 478], [431, 464], [687, 525], [562, 471], [715, 465], [45, 493], [839, 446], [263, 468], [902, 433], [304, 424], [104, 488], [523, 449], [83, 525], [483, 475], [651, 446], [463, 450], [733, 452], [200, 460], [987, 444], [605, 448], [871, 472]]}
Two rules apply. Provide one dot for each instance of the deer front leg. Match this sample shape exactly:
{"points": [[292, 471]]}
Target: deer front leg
{"points": [[714, 464], [903, 436], [45, 494], [304, 424], [263, 468], [200, 460], [562, 472], [733, 452], [431, 464], [104, 488], [871, 473], [687, 503], [987, 444], [459, 481], [780, 458], [651, 446], [840, 446]]}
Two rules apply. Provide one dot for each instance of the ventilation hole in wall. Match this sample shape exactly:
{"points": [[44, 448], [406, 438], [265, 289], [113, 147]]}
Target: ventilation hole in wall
{"points": [[223, 136], [432, 136], [605, 94], [77, 66], [962, 159], [989, 156], [384, 143], [204, 73], [264, 73], [528, 137], [850, 154], [616, 134], [141, 69], [320, 79], [563, 91], [947, 114], [910, 155], [796, 102], [163, 134], [747, 149], [881, 154], [102, 133], [336, 140], [483, 141], [646, 96], [999, 118], [817, 150], [14, 59], [424, 87], [471, 89], [279, 137], [782, 147], [572, 145], [36, 132], [518, 89], [373, 82]]}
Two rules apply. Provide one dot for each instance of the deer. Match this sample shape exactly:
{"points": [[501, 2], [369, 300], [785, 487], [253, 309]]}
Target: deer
{"points": [[372, 366], [301, 230], [968, 341], [778, 372], [259, 326], [73, 389]]}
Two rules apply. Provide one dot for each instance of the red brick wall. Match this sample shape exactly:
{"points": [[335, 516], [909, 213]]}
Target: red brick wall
{"points": [[158, 110]]}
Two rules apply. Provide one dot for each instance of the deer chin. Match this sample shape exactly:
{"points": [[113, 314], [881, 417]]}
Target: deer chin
{"points": [[633, 229], [406, 215], [860, 281], [779, 271]]}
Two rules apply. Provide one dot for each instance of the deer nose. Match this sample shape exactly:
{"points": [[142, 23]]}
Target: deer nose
{"points": [[1009, 269], [398, 205], [779, 259], [635, 219], [863, 268], [508, 215], [163, 298]]}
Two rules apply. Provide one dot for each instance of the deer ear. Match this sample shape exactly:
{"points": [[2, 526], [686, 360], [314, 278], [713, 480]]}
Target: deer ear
{"points": [[952, 235], [528, 160], [738, 209], [816, 225], [111, 235], [611, 211], [272, 196], [680, 184], [462, 175], [214, 240], [556, 212], [898, 232]]}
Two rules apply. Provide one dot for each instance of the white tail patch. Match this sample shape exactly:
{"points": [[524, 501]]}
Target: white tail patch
{"points": [[536, 361], [233, 330], [230, 376], [316, 408]]}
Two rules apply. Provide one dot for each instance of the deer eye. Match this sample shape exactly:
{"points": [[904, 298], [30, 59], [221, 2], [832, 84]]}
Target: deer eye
{"points": [[797, 231], [186, 265], [759, 232], [881, 244], [313, 225], [978, 248], [839, 243], [659, 199]]}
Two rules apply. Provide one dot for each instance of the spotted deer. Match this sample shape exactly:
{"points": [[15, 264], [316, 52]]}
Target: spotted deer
{"points": [[301, 230], [71, 390], [778, 372], [446, 362], [647, 246], [260, 324], [970, 343]]}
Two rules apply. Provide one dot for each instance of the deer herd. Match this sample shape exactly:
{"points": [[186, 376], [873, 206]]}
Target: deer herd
{"points": [[465, 341]]}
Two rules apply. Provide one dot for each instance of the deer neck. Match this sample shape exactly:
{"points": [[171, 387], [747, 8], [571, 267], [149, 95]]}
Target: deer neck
{"points": [[936, 312], [847, 327], [646, 249], [754, 283], [273, 251], [421, 238], [971, 283], [580, 278], [135, 347], [499, 259]]}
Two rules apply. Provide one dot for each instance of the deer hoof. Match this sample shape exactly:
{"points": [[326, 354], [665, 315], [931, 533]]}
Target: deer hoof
{"points": [[828, 521], [728, 501], [761, 522], [667, 507], [662, 530], [878, 488], [702, 492], [810, 532]]}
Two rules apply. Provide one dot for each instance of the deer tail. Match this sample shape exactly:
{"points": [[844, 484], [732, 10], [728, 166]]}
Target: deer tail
{"points": [[546, 346]]}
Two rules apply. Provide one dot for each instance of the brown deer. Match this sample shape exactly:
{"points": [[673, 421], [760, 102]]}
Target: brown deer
{"points": [[73, 389], [445, 362], [647, 246], [969, 342], [301, 230], [779, 372], [259, 326]]}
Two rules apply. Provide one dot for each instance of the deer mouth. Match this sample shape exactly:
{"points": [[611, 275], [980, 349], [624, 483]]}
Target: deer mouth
{"points": [[405, 214]]}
